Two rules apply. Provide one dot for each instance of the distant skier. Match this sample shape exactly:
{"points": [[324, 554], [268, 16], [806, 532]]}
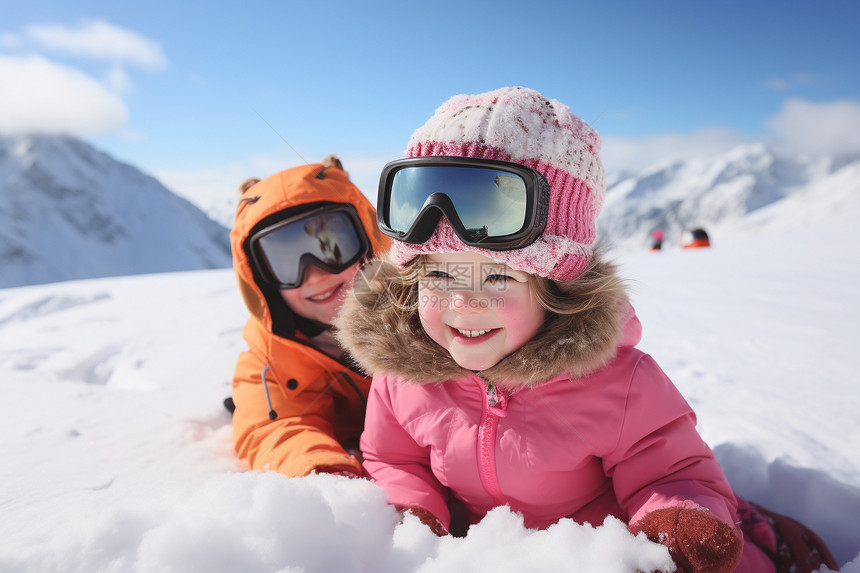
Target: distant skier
{"points": [[695, 239], [657, 244]]}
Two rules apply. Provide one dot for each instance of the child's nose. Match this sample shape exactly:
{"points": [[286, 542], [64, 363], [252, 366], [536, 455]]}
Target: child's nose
{"points": [[468, 301], [313, 275]]}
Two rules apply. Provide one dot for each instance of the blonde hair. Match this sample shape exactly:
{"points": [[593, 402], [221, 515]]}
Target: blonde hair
{"points": [[598, 284]]}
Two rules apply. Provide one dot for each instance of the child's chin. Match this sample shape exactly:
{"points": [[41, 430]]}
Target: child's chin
{"points": [[475, 364]]}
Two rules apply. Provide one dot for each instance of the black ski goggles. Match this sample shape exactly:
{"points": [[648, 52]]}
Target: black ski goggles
{"points": [[494, 205], [330, 237]]}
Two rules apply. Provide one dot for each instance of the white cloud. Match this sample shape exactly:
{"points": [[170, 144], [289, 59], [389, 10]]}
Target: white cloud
{"points": [[118, 79], [818, 128], [775, 84], [40, 96], [99, 40], [213, 188], [634, 153], [364, 170], [800, 126], [9, 40], [783, 83]]}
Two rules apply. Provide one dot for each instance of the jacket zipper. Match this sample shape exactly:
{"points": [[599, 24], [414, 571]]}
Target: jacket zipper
{"points": [[494, 407]]}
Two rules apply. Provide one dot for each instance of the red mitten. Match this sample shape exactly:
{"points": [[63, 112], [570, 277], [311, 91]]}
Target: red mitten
{"points": [[698, 541], [350, 474], [798, 548], [345, 471], [426, 518]]}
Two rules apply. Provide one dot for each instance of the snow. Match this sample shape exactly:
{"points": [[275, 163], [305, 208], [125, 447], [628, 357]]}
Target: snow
{"points": [[117, 451]]}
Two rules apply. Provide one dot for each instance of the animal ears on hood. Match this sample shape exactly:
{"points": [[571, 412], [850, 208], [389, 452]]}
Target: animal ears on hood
{"points": [[247, 184], [333, 161]]}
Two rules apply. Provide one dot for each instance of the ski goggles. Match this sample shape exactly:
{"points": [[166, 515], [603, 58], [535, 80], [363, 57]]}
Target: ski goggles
{"points": [[330, 237], [494, 205]]}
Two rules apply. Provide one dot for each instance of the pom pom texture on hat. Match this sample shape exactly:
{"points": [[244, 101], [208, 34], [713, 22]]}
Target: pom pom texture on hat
{"points": [[521, 126]]}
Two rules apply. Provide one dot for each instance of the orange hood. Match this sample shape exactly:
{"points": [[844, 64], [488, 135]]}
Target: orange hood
{"points": [[288, 190]]}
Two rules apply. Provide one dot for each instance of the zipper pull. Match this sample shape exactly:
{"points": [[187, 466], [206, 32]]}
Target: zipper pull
{"points": [[491, 396]]}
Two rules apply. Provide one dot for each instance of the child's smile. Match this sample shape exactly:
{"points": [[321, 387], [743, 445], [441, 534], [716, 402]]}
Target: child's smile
{"points": [[478, 310], [320, 295], [324, 296], [474, 334]]}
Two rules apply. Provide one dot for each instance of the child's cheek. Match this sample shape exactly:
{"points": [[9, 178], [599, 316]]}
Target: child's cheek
{"points": [[430, 310], [522, 316]]}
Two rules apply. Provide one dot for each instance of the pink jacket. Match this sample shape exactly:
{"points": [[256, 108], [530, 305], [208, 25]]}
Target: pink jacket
{"points": [[621, 441], [610, 435]]}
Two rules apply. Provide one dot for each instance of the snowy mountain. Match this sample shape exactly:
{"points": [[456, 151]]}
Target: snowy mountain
{"points": [[736, 192], [68, 211]]}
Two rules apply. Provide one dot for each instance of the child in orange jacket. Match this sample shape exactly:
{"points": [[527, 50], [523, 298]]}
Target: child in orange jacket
{"points": [[298, 239]]}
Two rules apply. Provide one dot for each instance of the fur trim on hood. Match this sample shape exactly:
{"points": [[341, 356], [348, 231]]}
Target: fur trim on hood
{"points": [[380, 327]]}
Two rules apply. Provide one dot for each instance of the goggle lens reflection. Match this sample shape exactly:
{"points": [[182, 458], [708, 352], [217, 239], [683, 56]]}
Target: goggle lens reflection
{"points": [[331, 238], [489, 202]]}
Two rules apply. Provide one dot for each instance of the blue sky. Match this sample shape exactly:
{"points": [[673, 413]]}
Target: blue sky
{"points": [[188, 90]]}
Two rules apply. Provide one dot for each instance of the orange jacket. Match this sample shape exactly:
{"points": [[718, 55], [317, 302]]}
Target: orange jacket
{"points": [[318, 402]]}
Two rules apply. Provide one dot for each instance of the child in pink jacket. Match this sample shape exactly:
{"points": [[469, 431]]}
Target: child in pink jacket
{"points": [[503, 346]]}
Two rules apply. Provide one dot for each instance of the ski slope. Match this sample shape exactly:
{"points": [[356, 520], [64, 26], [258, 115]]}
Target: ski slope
{"points": [[117, 453]]}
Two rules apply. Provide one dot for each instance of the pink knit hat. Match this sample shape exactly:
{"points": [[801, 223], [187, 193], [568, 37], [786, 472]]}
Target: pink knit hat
{"points": [[520, 125]]}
